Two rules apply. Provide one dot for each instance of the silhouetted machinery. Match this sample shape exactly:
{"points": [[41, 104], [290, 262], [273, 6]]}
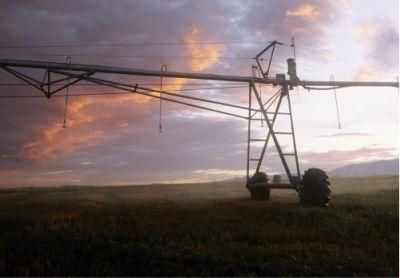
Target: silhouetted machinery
{"points": [[312, 187]]}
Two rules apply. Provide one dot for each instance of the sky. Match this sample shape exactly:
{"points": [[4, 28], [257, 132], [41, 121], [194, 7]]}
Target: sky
{"points": [[115, 140]]}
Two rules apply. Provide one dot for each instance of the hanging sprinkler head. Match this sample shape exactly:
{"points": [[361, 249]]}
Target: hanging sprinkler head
{"points": [[67, 61], [163, 68]]}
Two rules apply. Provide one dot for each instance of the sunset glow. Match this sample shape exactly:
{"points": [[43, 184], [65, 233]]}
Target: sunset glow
{"points": [[202, 57], [306, 12], [111, 140]]}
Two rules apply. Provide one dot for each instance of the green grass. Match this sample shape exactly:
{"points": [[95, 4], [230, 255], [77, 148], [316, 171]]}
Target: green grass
{"points": [[199, 230]]}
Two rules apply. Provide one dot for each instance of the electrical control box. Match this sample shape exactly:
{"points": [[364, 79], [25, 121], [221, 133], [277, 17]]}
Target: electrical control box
{"points": [[280, 78]]}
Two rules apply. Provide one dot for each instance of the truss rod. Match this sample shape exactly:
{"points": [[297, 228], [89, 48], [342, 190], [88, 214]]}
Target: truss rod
{"points": [[27, 79], [269, 132], [134, 91], [198, 99], [130, 86], [78, 78], [271, 101]]}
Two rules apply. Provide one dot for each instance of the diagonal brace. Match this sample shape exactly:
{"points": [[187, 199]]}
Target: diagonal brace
{"points": [[270, 127], [269, 133]]}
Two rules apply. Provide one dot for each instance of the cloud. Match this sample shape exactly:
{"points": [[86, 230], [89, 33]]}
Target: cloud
{"points": [[221, 172], [118, 135], [282, 20], [367, 73], [305, 12], [346, 134], [139, 154], [36, 177], [382, 37], [337, 158], [41, 150], [85, 118], [93, 121], [345, 5], [202, 57]]}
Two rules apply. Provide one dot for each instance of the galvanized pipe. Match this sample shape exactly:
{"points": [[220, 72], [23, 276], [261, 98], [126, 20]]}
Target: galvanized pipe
{"points": [[187, 75]]}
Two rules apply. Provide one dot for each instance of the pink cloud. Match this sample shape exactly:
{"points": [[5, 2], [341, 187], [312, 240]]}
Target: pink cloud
{"points": [[337, 158], [305, 12]]}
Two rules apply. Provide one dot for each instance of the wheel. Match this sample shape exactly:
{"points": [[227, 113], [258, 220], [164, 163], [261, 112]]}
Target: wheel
{"points": [[314, 188], [259, 177], [259, 192]]}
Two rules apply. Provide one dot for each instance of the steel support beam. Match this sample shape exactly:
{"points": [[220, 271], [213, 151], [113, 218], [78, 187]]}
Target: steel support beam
{"points": [[348, 83], [155, 73]]}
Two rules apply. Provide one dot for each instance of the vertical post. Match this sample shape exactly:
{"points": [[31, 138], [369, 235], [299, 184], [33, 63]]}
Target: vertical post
{"points": [[248, 137], [286, 91]]}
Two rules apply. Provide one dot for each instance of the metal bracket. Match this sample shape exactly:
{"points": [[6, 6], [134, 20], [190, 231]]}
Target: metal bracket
{"points": [[40, 85], [272, 44]]}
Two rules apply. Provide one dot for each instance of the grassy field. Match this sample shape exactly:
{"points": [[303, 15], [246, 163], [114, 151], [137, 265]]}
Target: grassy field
{"points": [[199, 230]]}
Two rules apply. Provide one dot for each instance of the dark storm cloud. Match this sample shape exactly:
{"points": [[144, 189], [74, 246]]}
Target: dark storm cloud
{"points": [[57, 22], [105, 21]]}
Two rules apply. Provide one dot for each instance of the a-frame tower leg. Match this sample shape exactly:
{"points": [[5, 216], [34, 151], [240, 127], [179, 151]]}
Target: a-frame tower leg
{"points": [[256, 180]]}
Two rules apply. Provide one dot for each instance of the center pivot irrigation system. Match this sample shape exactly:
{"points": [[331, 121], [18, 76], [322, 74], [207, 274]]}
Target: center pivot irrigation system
{"points": [[312, 187]]}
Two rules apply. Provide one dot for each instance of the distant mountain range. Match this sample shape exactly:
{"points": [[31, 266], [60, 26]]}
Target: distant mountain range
{"points": [[375, 168]]}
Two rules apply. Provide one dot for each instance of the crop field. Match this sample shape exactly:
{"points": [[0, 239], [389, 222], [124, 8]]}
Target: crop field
{"points": [[199, 230]]}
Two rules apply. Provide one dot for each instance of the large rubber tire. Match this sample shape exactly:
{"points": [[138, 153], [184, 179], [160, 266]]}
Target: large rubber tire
{"points": [[259, 177], [314, 188], [259, 193]]}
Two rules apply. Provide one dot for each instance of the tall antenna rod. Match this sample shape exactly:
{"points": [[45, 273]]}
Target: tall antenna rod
{"points": [[294, 48]]}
